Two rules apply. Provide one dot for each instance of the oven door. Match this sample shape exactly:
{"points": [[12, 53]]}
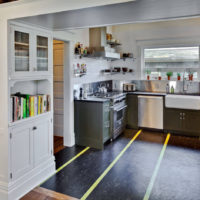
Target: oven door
{"points": [[119, 119]]}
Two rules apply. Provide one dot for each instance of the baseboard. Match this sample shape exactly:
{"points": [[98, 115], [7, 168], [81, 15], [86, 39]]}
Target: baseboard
{"points": [[29, 181], [3, 194]]}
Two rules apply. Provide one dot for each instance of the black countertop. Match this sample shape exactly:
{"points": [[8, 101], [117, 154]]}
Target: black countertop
{"points": [[92, 99], [148, 93], [162, 93], [102, 100]]}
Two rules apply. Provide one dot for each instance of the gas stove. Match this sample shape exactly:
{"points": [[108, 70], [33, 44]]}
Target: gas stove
{"points": [[114, 96], [117, 111]]}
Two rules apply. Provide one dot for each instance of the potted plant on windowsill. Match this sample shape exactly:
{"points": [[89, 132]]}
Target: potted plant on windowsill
{"points": [[178, 76], [169, 74], [159, 75], [148, 74], [191, 76]]}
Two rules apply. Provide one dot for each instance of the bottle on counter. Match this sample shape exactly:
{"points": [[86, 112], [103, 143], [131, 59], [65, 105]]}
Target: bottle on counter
{"points": [[167, 88], [85, 51], [78, 69], [85, 94], [76, 50], [81, 93], [172, 90], [82, 50]]}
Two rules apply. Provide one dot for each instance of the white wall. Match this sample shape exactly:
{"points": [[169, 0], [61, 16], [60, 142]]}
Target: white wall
{"points": [[4, 135], [176, 31], [131, 36], [130, 33], [94, 66]]}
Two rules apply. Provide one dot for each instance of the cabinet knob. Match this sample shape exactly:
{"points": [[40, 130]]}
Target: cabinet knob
{"points": [[34, 128]]}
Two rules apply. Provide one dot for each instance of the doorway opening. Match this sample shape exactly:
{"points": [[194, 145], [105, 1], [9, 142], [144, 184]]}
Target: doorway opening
{"points": [[58, 93]]}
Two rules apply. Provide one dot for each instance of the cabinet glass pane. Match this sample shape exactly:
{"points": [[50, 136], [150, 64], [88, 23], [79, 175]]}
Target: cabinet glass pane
{"points": [[42, 53], [21, 51]]}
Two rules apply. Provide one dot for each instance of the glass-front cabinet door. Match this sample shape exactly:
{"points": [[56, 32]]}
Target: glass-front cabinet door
{"points": [[31, 53], [42, 53], [21, 51]]}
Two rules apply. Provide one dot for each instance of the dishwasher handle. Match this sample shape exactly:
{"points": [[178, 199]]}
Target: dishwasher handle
{"points": [[150, 97]]}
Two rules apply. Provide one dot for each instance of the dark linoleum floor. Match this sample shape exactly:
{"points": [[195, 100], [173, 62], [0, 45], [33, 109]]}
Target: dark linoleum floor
{"points": [[178, 176]]}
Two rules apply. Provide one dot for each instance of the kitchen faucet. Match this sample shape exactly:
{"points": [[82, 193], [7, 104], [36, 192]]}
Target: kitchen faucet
{"points": [[185, 85], [102, 88]]}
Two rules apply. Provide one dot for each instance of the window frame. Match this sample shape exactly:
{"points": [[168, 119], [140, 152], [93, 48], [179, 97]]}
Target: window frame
{"points": [[165, 43]]}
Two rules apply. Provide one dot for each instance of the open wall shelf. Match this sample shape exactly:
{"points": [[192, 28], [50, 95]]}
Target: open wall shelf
{"points": [[40, 90]]}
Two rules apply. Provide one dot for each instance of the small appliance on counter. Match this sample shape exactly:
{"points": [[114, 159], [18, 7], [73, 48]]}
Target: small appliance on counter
{"points": [[129, 87]]}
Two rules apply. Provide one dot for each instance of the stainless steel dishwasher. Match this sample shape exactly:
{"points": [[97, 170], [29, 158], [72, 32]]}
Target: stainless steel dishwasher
{"points": [[150, 112]]}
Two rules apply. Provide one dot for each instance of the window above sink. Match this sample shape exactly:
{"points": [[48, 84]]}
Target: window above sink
{"points": [[179, 59]]}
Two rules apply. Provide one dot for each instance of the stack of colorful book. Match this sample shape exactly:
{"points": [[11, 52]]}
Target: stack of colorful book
{"points": [[25, 105]]}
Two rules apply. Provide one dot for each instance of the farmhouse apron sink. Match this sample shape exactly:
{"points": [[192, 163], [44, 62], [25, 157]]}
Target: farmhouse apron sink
{"points": [[182, 102]]}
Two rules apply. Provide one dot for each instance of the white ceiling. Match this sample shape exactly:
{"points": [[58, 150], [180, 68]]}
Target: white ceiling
{"points": [[129, 12]]}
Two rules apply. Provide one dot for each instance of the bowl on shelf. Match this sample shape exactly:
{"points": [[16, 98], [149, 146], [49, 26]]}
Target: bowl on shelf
{"points": [[107, 70], [117, 69], [124, 69]]}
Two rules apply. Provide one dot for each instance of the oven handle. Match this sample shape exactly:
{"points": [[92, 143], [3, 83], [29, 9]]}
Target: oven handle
{"points": [[117, 110]]}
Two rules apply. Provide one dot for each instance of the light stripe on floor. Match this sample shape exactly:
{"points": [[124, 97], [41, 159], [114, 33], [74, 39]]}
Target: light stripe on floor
{"points": [[67, 163], [153, 178], [95, 184]]}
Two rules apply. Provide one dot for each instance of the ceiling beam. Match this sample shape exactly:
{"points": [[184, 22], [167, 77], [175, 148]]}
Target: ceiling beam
{"points": [[132, 12]]}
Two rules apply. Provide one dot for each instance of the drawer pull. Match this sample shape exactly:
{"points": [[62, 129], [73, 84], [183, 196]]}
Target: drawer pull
{"points": [[34, 128]]}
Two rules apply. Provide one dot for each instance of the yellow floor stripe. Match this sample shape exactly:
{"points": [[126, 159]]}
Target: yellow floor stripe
{"points": [[67, 163], [109, 167], [153, 178]]}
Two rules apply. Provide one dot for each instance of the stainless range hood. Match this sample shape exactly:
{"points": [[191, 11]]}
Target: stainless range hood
{"points": [[98, 44]]}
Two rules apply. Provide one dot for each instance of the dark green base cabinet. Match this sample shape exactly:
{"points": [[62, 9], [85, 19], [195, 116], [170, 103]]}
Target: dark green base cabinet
{"points": [[132, 111], [183, 122], [92, 123]]}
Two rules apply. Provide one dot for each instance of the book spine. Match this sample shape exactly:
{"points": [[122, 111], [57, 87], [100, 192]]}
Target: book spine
{"points": [[41, 105], [35, 106], [21, 106], [15, 108], [39, 110], [13, 114], [11, 109], [44, 103], [18, 108], [31, 106], [27, 105], [24, 108], [48, 103]]}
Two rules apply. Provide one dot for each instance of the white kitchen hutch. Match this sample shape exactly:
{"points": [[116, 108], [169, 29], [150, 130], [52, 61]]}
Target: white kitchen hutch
{"points": [[30, 139]]}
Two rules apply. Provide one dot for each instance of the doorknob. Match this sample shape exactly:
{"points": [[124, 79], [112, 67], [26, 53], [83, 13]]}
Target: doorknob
{"points": [[34, 128]]}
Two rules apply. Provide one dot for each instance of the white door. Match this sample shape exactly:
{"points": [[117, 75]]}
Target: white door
{"points": [[42, 141], [21, 150]]}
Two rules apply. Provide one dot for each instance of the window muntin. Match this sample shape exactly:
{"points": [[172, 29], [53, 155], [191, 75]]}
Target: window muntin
{"points": [[183, 60]]}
